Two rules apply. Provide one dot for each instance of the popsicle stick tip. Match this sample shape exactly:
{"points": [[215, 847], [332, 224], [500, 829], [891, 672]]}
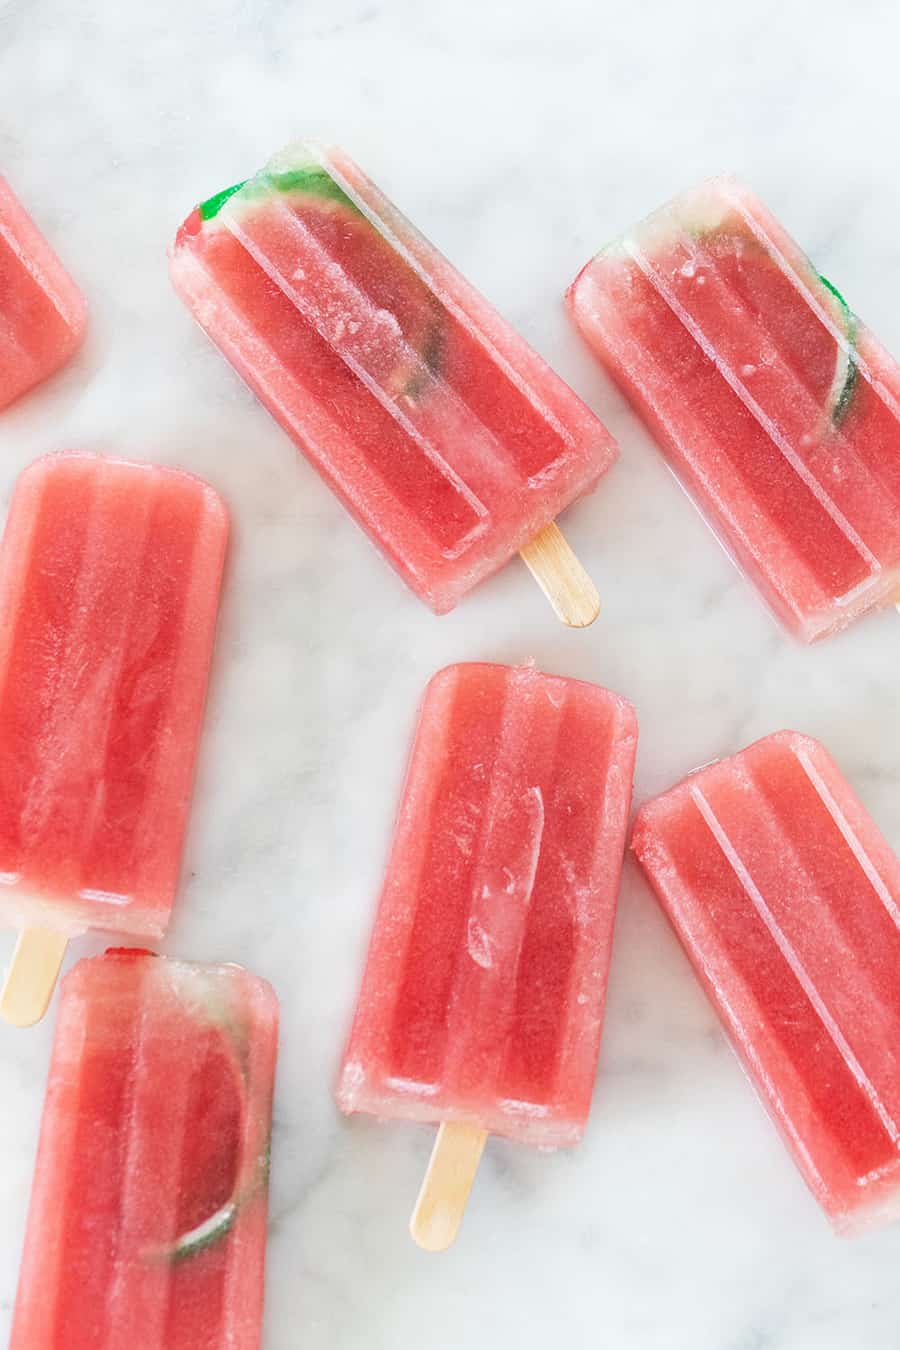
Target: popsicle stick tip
{"points": [[445, 1189], [434, 1236], [561, 577], [32, 975]]}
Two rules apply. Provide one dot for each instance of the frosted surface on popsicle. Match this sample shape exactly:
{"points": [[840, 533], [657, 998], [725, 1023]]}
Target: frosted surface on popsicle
{"points": [[109, 586], [448, 438], [42, 311], [147, 1224], [775, 405], [483, 994], [787, 900]]}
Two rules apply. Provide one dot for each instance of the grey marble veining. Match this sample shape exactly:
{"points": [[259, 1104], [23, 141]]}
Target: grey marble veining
{"points": [[520, 137]]}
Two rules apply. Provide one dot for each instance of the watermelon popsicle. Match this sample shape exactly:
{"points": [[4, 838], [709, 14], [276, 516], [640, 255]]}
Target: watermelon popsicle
{"points": [[482, 1000], [109, 587], [775, 406], [147, 1225], [42, 311], [443, 433], [787, 900]]}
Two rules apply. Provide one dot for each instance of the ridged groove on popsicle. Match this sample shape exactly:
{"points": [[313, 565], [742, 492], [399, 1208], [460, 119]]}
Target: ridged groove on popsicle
{"points": [[862, 382], [802, 425], [782, 444]]}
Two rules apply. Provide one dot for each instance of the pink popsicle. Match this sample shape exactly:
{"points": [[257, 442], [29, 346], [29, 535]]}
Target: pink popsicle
{"points": [[446, 436], [776, 407], [787, 900], [482, 998], [147, 1226], [109, 587], [42, 311]]}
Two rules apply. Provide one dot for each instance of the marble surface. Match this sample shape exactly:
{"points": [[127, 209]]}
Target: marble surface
{"points": [[520, 136]]}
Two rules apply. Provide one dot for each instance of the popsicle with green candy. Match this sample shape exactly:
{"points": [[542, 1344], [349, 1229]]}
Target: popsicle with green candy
{"points": [[482, 1001], [446, 436], [109, 589], [42, 312], [147, 1225], [775, 406]]}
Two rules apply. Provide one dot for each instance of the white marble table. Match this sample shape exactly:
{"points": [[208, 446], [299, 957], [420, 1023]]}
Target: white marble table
{"points": [[520, 136]]}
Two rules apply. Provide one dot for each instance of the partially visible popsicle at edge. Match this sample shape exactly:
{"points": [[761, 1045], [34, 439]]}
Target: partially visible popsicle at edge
{"points": [[109, 588], [42, 312], [444, 434], [776, 407], [482, 1000], [787, 900], [147, 1226]]}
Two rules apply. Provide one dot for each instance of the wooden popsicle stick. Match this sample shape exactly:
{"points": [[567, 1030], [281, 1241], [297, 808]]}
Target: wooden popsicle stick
{"points": [[32, 976], [561, 577], [442, 1200]]}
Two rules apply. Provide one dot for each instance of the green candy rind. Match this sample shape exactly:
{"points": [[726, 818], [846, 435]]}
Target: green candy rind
{"points": [[312, 179], [218, 1225], [432, 353], [845, 397], [206, 1235], [213, 205]]}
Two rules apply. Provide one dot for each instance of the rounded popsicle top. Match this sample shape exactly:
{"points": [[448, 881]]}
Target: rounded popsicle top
{"points": [[790, 739], [795, 766], [448, 676], [85, 462], [299, 167], [709, 207], [194, 983]]}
